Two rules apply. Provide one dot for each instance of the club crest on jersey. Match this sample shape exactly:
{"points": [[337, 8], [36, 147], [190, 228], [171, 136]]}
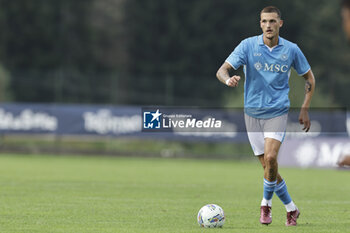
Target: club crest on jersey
{"points": [[258, 66], [284, 57]]}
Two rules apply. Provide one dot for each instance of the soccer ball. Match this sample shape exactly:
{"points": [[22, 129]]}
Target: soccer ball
{"points": [[211, 215]]}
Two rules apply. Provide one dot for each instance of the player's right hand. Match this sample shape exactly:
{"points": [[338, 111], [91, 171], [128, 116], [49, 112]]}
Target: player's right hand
{"points": [[233, 81]]}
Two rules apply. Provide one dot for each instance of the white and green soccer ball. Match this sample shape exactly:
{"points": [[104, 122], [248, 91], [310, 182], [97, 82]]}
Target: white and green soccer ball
{"points": [[211, 215]]}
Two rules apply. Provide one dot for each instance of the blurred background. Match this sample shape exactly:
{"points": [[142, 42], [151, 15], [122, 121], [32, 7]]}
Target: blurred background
{"points": [[72, 57]]}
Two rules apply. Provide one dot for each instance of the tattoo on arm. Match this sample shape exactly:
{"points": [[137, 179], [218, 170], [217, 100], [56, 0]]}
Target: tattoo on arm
{"points": [[308, 86]]}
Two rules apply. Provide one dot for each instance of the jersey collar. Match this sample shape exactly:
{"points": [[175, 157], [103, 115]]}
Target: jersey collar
{"points": [[261, 40]]}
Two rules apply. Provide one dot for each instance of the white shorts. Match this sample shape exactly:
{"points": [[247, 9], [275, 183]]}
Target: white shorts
{"points": [[259, 129]]}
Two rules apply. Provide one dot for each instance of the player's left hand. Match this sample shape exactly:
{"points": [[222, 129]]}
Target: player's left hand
{"points": [[304, 119]]}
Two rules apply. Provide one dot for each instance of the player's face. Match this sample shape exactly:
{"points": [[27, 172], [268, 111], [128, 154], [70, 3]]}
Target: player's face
{"points": [[346, 22], [270, 24]]}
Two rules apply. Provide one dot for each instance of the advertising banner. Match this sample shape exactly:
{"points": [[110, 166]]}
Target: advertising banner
{"points": [[189, 123], [316, 152]]}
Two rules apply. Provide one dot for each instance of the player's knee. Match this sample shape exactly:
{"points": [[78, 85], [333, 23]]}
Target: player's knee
{"points": [[270, 159]]}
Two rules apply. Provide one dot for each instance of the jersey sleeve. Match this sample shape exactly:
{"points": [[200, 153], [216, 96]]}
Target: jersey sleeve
{"points": [[300, 63], [239, 56]]}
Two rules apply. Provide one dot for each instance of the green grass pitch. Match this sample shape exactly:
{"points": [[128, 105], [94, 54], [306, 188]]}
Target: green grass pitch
{"points": [[105, 194]]}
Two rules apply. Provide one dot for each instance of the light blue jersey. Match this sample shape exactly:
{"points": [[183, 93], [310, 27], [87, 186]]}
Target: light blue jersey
{"points": [[267, 73]]}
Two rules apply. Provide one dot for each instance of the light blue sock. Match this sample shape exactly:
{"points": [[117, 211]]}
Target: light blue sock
{"points": [[282, 192], [269, 188]]}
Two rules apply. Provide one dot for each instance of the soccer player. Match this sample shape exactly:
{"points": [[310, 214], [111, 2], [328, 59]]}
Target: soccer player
{"points": [[267, 61], [345, 12]]}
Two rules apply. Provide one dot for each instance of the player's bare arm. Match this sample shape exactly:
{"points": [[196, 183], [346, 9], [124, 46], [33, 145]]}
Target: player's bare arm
{"points": [[223, 75], [345, 12], [309, 91]]}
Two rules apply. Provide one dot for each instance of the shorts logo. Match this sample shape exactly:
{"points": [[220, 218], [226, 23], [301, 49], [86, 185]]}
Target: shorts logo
{"points": [[284, 57], [152, 120], [258, 66]]}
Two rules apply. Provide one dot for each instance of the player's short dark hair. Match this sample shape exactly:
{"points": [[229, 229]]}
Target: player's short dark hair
{"points": [[346, 4], [271, 9]]}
